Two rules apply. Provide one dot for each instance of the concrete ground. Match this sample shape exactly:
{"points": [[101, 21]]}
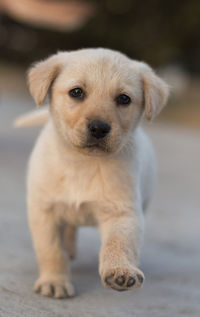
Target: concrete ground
{"points": [[171, 253]]}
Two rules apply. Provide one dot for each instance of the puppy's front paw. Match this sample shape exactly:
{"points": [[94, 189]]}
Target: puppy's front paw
{"points": [[54, 287], [122, 279]]}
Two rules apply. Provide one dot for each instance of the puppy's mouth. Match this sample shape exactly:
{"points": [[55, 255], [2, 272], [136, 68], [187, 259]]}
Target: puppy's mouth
{"points": [[92, 145], [98, 146]]}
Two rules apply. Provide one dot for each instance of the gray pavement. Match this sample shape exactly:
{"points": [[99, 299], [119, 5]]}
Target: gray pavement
{"points": [[170, 256]]}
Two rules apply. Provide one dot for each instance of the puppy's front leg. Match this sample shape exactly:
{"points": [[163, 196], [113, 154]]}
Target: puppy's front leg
{"points": [[119, 252], [54, 275]]}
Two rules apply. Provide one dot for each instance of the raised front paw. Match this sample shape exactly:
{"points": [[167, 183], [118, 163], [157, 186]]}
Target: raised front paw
{"points": [[122, 279], [57, 287]]}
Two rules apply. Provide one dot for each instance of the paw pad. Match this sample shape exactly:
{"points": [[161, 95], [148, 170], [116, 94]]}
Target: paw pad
{"points": [[122, 279]]}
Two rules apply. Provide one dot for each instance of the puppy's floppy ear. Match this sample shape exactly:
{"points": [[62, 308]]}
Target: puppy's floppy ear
{"points": [[41, 76], [156, 92]]}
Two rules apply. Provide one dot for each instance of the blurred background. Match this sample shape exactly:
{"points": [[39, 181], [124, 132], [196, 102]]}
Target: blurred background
{"points": [[165, 34]]}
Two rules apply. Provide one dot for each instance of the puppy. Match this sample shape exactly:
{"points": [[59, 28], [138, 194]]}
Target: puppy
{"points": [[92, 163]]}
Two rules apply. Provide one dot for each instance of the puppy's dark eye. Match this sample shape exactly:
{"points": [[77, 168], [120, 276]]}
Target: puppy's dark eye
{"points": [[123, 100], [76, 93]]}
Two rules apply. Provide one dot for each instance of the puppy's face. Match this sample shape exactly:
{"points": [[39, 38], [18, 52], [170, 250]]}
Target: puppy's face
{"points": [[96, 103], [97, 98]]}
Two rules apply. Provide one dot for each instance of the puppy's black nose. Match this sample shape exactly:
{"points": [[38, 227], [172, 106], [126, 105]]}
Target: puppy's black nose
{"points": [[98, 129]]}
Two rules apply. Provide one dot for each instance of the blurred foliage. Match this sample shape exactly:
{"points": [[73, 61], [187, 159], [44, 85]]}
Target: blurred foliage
{"points": [[159, 32]]}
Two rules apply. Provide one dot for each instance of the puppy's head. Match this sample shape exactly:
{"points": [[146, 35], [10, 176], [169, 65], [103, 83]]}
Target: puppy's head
{"points": [[97, 97]]}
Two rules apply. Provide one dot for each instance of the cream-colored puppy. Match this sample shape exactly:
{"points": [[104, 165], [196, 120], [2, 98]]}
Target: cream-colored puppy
{"points": [[92, 163]]}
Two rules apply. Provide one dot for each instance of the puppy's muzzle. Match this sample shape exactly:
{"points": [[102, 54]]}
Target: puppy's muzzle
{"points": [[98, 129]]}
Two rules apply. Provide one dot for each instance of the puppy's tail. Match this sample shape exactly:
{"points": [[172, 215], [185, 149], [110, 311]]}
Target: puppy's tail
{"points": [[32, 118]]}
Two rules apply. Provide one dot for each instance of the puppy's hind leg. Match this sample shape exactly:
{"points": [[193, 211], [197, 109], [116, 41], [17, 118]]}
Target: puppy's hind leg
{"points": [[70, 233]]}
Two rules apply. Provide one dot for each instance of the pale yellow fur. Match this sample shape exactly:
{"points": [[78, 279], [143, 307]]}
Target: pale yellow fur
{"points": [[72, 184]]}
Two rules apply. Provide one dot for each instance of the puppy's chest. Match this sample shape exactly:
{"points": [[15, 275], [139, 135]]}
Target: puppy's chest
{"points": [[78, 194], [86, 189], [80, 184]]}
